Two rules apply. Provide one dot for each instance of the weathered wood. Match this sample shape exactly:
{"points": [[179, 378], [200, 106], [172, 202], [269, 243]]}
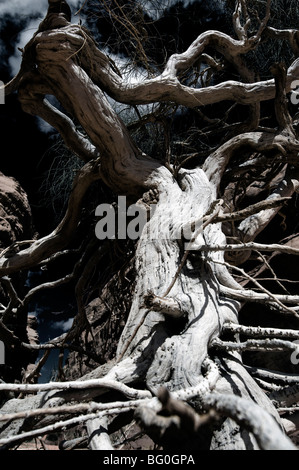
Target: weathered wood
{"points": [[177, 309]]}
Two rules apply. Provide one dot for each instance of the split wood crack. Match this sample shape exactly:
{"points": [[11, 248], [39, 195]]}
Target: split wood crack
{"points": [[213, 216], [214, 212]]}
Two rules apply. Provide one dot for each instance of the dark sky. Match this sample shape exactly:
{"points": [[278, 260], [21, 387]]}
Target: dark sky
{"points": [[25, 139]]}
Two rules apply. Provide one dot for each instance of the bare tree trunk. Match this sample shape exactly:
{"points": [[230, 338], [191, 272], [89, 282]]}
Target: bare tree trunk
{"points": [[184, 295]]}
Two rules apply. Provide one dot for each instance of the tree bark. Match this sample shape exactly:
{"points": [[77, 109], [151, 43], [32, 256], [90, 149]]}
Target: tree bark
{"points": [[183, 296]]}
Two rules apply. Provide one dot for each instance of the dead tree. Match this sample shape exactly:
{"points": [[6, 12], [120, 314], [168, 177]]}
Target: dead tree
{"points": [[183, 332]]}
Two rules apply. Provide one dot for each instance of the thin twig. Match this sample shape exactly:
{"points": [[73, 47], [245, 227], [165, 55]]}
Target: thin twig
{"points": [[77, 409], [262, 288], [257, 331], [251, 246], [77, 385], [255, 345]]}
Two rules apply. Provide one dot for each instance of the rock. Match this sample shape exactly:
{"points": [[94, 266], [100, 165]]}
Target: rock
{"points": [[15, 225], [15, 212], [32, 332]]}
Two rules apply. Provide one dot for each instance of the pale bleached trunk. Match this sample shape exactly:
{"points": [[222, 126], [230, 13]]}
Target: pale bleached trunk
{"points": [[177, 337], [169, 347]]}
